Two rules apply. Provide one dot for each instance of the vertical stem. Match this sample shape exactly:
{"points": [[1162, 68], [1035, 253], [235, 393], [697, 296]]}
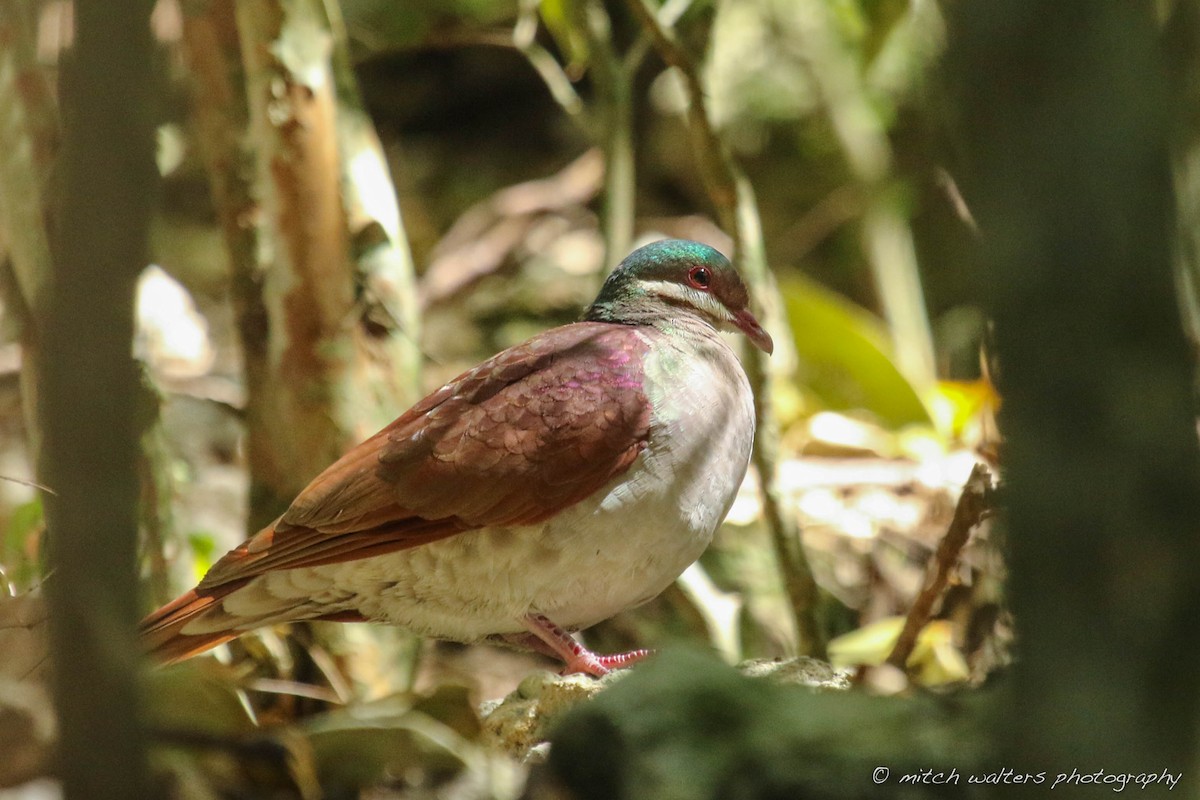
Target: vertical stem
{"points": [[213, 55], [614, 84], [733, 197], [887, 237], [28, 142], [157, 492], [89, 395], [619, 170], [798, 581], [892, 255]]}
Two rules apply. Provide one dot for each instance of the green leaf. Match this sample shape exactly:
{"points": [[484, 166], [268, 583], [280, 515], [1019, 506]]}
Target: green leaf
{"points": [[365, 744], [200, 696], [845, 357], [564, 20], [204, 547], [17, 552], [882, 18]]}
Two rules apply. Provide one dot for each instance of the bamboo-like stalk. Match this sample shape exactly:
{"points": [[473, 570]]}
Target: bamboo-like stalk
{"points": [[88, 397]]}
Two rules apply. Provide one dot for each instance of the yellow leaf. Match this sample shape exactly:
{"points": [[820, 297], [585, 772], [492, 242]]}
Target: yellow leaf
{"points": [[954, 404], [934, 660], [870, 645]]}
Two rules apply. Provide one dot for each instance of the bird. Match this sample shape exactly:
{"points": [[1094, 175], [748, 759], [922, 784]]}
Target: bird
{"points": [[558, 483]]}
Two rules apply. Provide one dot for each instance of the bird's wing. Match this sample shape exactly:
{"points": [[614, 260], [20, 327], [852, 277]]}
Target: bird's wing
{"points": [[517, 439]]}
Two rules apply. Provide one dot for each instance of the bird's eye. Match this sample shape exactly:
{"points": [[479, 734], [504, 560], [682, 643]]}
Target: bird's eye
{"points": [[700, 277]]}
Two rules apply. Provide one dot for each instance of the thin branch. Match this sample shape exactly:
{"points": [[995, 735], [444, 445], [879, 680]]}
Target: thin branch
{"points": [[973, 506], [524, 38], [733, 197], [614, 84], [949, 187], [295, 689], [842, 205], [31, 484], [670, 13]]}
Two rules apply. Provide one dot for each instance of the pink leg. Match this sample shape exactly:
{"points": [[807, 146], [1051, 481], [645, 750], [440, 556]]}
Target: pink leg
{"points": [[577, 657]]}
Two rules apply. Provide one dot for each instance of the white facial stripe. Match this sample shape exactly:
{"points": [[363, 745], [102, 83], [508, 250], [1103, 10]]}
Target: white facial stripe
{"points": [[689, 296]]}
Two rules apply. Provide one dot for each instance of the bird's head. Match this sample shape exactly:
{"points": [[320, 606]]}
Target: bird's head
{"points": [[679, 276]]}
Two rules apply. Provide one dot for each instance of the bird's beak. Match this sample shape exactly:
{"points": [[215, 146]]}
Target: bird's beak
{"points": [[748, 325]]}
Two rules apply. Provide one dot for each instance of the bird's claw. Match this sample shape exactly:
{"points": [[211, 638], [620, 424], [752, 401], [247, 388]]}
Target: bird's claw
{"points": [[579, 659], [591, 664]]}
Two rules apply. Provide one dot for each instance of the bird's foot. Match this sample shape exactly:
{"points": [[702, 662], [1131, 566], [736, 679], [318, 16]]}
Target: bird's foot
{"points": [[590, 662], [577, 657]]}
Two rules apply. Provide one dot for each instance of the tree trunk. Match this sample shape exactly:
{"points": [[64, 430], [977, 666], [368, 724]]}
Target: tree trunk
{"points": [[331, 339], [1066, 109], [88, 395]]}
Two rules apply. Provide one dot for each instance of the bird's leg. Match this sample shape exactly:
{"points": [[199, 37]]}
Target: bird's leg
{"points": [[577, 657]]}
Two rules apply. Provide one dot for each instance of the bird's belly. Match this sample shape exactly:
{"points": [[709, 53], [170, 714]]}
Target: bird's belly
{"points": [[587, 564]]}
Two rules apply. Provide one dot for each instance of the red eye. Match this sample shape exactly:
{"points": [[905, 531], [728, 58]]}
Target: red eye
{"points": [[700, 277]]}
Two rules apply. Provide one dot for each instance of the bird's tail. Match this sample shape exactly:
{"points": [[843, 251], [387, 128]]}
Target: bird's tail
{"points": [[162, 630]]}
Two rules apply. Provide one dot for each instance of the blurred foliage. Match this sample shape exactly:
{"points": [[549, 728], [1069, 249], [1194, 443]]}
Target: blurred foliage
{"points": [[828, 107], [377, 25], [845, 356], [403, 742], [204, 552], [372, 742], [199, 696], [561, 19], [21, 545], [720, 735], [934, 661]]}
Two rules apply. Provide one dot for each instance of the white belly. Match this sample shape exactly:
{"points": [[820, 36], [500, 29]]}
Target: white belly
{"points": [[615, 550]]}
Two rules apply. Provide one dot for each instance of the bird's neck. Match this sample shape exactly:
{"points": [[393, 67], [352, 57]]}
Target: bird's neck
{"points": [[625, 310], [674, 323]]}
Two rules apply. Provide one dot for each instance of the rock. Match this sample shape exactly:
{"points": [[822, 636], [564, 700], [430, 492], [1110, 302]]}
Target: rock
{"points": [[520, 723], [802, 671]]}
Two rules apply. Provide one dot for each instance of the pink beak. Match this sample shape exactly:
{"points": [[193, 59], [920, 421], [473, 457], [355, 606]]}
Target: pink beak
{"points": [[748, 325]]}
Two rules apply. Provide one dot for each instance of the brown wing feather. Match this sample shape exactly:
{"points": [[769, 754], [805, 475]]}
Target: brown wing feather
{"points": [[514, 441], [161, 629]]}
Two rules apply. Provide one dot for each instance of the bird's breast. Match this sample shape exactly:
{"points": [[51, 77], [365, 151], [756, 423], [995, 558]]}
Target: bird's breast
{"points": [[702, 428], [631, 540]]}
